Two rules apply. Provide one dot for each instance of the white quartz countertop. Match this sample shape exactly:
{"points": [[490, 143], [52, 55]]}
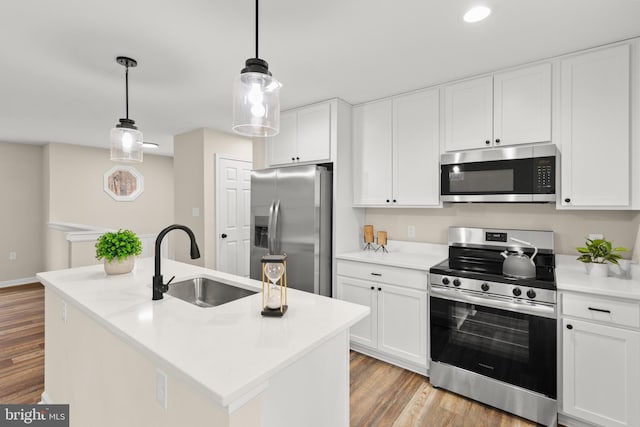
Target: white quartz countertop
{"points": [[417, 256], [571, 275], [230, 351]]}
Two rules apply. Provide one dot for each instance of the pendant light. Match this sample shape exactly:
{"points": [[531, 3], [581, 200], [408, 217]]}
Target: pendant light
{"points": [[126, 139], [256, 98]]}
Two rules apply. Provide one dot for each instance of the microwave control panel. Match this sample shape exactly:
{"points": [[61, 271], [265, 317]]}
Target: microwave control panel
{"points": [[544, 175]]}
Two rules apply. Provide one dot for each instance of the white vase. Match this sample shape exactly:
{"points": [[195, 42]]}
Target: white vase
{"points": [[599, 270], [119, 267]]}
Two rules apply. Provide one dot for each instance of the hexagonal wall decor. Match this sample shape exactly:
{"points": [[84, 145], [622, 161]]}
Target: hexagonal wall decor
{"points": [[123, 183]]}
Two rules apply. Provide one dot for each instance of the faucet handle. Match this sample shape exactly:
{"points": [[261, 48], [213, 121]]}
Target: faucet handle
{"points": [[164, 287]]}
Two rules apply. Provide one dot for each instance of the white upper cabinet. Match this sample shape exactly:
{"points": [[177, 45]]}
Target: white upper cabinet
{"points": [[396, 151], [522, 105], [508, 108], [416, 149], [282, 147], [305, 136], [469, 114], [595, 139], [372, 151]]}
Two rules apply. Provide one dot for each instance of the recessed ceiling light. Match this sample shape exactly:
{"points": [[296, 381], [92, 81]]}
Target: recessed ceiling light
{"points": [[150, 145], [477, 14]]}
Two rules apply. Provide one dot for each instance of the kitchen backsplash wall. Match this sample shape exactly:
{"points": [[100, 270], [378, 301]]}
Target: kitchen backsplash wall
{"points": [[570, 227]]}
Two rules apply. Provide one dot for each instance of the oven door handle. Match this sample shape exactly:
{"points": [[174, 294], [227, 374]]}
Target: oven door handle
{"points": [[500, 303]]}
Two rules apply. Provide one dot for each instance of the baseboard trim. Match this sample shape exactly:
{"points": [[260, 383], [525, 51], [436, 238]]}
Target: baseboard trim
{"points": [[18, 282], [45, 399], [568, 421], [389, 359]]}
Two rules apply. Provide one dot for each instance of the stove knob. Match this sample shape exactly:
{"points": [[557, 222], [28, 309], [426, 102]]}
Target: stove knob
{"points": [[456, 282], [517, 292], [445, 280], [531, 293], [485, 287]]}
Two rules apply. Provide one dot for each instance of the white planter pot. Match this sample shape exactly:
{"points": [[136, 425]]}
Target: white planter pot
{"points": [[119, 267], [599, 270]]}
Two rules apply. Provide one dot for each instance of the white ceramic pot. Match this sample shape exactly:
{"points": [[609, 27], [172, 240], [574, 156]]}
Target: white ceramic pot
{"points": [[599, 270], [119, 267]]}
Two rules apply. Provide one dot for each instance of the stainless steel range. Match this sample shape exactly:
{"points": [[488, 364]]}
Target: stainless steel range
{"points": [[493, 335]]}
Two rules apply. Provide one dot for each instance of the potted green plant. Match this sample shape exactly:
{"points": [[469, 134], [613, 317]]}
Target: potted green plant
{"points": [[597, 253], [118, 249]]}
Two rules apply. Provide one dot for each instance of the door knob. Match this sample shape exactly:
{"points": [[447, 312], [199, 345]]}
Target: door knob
{"points": [[223, 235]]}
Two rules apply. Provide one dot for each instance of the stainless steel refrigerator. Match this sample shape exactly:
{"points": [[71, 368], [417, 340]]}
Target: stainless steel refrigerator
{"points": [[291, 214]]}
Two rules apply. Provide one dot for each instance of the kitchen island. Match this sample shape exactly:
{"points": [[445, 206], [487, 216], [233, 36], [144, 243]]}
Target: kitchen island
{"points": [[119, 358]]}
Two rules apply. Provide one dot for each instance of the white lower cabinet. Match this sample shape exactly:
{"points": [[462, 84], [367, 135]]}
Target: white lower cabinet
{"points": [[402, 323], [396, 329], [358, 291], [600, 360]]}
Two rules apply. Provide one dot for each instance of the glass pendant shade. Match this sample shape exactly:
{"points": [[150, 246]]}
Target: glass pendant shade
{"points": [[256, 105], [126, 143]]}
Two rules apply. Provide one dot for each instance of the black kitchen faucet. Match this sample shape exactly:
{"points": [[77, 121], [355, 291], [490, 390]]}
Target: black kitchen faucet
{"points": [[158, 287]]}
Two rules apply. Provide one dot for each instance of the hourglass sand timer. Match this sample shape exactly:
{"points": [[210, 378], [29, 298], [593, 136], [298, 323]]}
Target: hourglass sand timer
{"points": [[274, 279]]}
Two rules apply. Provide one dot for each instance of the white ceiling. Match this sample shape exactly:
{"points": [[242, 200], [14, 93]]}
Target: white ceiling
{"points": [[60, 81]]}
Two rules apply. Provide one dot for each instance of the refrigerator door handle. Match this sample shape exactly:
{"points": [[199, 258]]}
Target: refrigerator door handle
{"points": [[270, 228], [274, 234]]}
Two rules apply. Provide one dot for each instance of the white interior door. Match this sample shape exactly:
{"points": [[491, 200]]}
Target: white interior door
{"points": [[233, 204]]}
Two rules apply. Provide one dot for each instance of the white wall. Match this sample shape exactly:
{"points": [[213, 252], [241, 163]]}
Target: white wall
{"points": [[195, 170], [21, 214], [74, 194]]}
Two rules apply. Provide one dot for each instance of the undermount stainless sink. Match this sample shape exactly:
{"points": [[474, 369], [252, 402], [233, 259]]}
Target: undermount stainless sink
{"points": [[205, 292]]}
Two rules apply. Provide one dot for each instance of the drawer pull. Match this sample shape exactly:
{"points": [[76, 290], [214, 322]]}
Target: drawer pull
{"points": [[377, 274], [569, 326], [600, 310]]}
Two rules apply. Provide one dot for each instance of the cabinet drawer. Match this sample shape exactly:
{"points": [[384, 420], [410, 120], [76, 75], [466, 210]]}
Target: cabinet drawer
{"points": [[383, 274], [601, 309]]}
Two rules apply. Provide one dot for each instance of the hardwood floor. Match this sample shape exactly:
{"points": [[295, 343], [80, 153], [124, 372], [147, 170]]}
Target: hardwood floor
{"points": [[382, 395], [21, 343]]}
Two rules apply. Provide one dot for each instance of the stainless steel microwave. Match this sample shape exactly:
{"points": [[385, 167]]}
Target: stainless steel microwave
{"points": [[513, 174]]}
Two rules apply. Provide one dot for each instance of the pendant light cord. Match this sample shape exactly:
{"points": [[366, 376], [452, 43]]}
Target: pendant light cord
{"points": [[257, 29], [126, 91]]}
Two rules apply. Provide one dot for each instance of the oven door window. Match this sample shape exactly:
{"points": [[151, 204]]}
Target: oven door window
{"points": [[516, 348]]}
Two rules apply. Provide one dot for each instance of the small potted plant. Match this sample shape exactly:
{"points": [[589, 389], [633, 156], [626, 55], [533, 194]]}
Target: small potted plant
{"points": [[597, 253], [118, 249]]}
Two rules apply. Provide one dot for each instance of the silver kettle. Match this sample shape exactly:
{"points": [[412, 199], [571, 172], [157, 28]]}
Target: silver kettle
{"points": [[519, 265]]}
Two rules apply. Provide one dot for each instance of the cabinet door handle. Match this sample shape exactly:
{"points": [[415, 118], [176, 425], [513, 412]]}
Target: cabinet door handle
{"points": [[297, 158], [293, 159], [487, 142], [394, 200], [600, 310], [498, 141], [567, 200], [373, 287], [387, 200], [377, 274], [569, 326], [379, 289]]}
